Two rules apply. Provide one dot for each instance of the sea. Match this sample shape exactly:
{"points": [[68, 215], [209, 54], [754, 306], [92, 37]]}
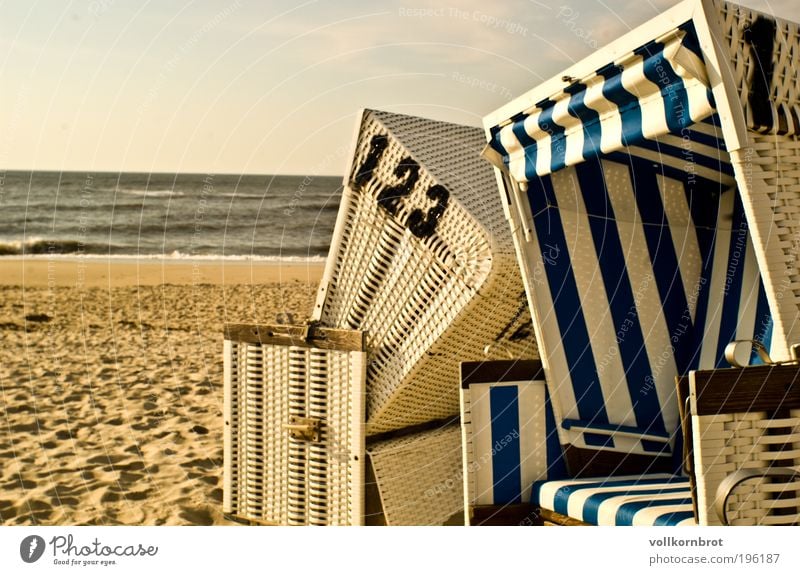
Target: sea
{"points": [[145, 215]]}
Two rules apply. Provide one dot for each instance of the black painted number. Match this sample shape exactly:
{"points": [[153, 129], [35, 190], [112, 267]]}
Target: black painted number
{"points": [[423, 226]]}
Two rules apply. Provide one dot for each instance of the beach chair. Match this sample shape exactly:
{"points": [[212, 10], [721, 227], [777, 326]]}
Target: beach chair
{"points": [[422, 261], [743, 431], [656, 176], [295, 451], [294, 442], [509, 440]]}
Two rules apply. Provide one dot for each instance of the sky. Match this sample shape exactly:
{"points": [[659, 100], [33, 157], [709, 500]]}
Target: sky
{"points": [[255, 86]]}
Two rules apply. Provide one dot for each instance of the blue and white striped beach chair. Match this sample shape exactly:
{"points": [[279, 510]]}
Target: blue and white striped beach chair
{"points": [[649, 215]]}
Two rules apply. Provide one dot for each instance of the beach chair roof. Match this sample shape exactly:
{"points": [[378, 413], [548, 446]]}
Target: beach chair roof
{"points": [[658, 79]]}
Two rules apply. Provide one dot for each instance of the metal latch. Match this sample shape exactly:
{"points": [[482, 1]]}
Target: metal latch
{"points": [[304, 428]]}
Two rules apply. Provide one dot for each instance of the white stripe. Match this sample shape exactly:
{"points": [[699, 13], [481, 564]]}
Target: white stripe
{"points": [[548, 490], [716, 286], [516, 153], [577, 501], [725, 180], [649, 312], [748, 300], [542, 144], [562, 394], [573, 131], [610, 119], [607, 512], [691, 149], [596, 312], [654, 121], [532, 436], [684, 237], [482, 444]]}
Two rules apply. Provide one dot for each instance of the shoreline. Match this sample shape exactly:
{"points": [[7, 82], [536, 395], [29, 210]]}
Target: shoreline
{"points": [[110, 272]]}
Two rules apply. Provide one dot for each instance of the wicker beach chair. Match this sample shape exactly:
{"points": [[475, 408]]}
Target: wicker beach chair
{"points": [[509, 440], [295, 451], [423, 262], [743, 438], [642, 177]]}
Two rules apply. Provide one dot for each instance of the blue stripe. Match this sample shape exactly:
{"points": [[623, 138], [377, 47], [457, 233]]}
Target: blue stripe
{"points": [[562, 494], [678, 174], [627, 103], [704, 208], [558, 145], [734, 275], [611, 258], [664, 261], [762, 329], [529, 145], [570, 423], [659, 71], [690, 40], [674, 518], [591, 507], [556, 464], [504, 403], [567, 302], [627, 511], [590, 119], [710, 162]]}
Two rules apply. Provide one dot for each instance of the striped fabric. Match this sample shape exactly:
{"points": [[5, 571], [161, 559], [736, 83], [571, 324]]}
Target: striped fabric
{"points": [[650, 500], [660, 88], [511, 440], [637, 273]]}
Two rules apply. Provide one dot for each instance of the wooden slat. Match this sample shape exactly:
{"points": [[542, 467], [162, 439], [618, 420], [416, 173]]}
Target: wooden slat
{"points": [[759, 388], [556, 519], [295, 335], [496, 515], [596, 463], [500, 371]]}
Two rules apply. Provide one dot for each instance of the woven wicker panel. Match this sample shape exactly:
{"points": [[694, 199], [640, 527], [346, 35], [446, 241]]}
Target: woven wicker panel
{"points": [[727, 442], [419, 476], [784, 89], [271, 477], [426, 303], [770, 190]]}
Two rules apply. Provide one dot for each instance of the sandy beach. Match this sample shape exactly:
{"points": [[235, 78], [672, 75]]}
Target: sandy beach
{"points": [[111, 383]]}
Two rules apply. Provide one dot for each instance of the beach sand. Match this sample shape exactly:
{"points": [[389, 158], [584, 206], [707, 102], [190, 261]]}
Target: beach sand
{"points": [[111, 384]]}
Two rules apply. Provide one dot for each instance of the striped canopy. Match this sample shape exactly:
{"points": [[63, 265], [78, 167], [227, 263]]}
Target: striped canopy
{"points": [[660, 88]]}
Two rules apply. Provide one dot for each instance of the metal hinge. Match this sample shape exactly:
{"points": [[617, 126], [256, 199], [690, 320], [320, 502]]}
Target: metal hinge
{"points": [[304, 428]]}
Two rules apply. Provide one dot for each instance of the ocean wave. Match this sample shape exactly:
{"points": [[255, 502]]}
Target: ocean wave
{"points": [[169, 193], [176, 256], [40, 246]]}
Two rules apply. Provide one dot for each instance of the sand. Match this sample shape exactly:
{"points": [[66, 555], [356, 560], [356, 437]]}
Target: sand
{"points": [[111, 384]]}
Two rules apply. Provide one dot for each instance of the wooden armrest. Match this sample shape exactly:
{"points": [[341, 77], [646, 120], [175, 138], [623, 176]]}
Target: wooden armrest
{"points": [[733, 480]]}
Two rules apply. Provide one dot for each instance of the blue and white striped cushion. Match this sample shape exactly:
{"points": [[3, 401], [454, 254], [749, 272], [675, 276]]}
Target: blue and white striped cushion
{"points": [[658, 499]]}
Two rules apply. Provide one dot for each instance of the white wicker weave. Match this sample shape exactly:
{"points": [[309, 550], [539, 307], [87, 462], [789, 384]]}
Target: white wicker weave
{"points": [[746, 420], [767, 164], [422, 260], [269, 475], [419, 476]]}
